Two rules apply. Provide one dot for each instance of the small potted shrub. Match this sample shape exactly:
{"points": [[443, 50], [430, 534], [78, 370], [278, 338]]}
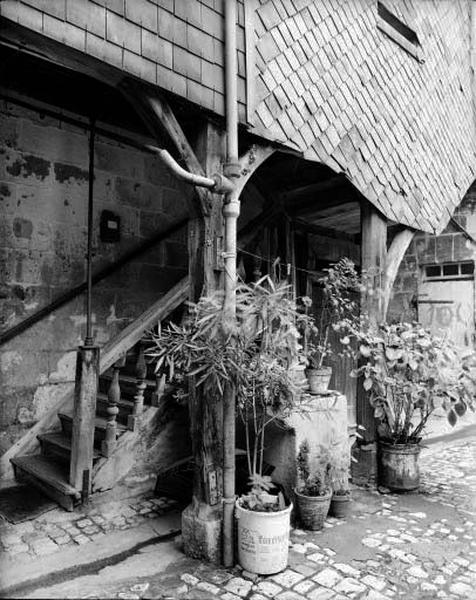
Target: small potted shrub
{"points": [[408, 373], [313, 492], [257, 356], [339, 476], [338, 311]]}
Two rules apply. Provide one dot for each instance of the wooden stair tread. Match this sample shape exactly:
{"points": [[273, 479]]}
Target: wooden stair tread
{"points": [[124, 402], [48, 470], [99, 422], [128, 378], [58, 438]]}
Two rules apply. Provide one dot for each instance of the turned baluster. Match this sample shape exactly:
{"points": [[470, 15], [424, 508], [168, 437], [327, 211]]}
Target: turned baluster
{"points": [[141, 373], [159, 390], [113, 397]]}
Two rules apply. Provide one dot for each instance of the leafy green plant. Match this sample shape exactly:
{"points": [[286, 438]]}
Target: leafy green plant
{"points": [[339, 473], [312, 481], [259, 499], [339, 311], [255, 354], [408, 373]]}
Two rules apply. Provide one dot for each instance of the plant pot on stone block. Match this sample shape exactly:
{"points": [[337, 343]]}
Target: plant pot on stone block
{"points": [[319, 379], [313, 492], [336, 313]]}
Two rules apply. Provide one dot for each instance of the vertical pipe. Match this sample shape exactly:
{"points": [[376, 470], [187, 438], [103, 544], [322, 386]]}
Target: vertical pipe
{"points": [[89, 256], [231, 104], [231, 211]]}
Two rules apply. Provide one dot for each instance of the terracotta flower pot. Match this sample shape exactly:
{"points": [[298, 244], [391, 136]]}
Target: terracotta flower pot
{"points": [[399, 470], [312, 510], [319, 379], [340, 506]]}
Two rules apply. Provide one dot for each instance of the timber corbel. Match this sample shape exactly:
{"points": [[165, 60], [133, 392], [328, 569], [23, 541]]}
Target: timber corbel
{"points": [[159, 117], [394, 257]]}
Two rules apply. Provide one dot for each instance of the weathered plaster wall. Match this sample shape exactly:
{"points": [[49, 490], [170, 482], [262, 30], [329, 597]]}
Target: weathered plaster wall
{"points": [[425, 249], [43, 218]]}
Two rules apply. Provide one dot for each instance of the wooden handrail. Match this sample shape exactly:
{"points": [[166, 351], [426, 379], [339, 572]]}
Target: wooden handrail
{"points": [[130, 335], [79, 289]]}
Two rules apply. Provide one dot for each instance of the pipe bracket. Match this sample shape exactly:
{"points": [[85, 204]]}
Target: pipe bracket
{"points": [[222, 184]]}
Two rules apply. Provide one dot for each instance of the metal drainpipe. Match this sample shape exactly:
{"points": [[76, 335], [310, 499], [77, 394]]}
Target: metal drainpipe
{"points": [[473, 54], [88, 341], [231, 211]]}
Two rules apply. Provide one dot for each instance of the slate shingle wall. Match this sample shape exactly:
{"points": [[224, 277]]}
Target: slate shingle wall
{"points": [[177, 45], [337, 88], [328, 82]]}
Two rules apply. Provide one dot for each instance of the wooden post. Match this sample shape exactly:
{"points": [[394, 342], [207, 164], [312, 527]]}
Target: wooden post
{"points": [[82, 442], [201, 521], [373, 258], [141, 373], [113, 396]]}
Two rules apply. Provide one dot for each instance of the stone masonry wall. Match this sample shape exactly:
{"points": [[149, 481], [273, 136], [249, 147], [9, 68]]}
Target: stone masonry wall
{"points": [[450, 246], [43, 225]]}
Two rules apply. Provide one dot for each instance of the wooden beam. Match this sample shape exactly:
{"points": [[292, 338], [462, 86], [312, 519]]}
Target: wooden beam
{"points": [[314, 188], [326, 231], [205, 406], [373, 258], [159, 118], [25, 40], [395, 254]]}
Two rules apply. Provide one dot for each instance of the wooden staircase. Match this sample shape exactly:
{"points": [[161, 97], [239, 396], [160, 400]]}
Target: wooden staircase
{"points": [[127, 387]]}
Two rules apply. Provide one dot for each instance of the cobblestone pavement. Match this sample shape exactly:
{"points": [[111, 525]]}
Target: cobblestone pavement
{"points": [[56, 530], [417, 546]]}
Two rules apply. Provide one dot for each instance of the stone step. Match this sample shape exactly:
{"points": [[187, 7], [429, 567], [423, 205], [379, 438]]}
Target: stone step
{"points": [[99, 427], [57, 445], [48, 475]]}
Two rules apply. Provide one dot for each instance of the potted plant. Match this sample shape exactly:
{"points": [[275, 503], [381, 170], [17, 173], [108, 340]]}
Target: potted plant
{"points": [[257, 356], [339, 476], [338, 311], [408, 373], [313, 491]]}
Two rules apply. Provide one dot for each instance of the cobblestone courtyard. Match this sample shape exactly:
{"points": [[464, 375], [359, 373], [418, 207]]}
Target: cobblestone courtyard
{"points": [[418, 545]]}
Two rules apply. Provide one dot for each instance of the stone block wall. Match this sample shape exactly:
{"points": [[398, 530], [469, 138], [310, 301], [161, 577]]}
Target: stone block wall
{"points": [[43, 225], [452, 245]]}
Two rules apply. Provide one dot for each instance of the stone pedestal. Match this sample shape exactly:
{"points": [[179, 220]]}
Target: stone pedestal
{"points": [[202, 531], [364, 470], [322, 420]]}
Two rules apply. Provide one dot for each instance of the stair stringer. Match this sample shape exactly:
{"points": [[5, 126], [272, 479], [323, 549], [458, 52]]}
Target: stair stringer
{"points": [[29, 444], [113, 349], [152, 447]]}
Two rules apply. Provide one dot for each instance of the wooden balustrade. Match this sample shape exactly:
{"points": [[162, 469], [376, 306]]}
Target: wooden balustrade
{"points": [[113, 397], [141, 373]]}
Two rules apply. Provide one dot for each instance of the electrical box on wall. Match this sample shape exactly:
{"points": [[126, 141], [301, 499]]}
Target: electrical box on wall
{"points": [[110, 227]]}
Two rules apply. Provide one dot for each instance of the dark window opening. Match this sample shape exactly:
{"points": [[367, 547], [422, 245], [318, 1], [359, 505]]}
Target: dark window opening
{"points": [[401, 34], [462, 270], [450, 270], [434, 271], [467, 268], [398, 25]]}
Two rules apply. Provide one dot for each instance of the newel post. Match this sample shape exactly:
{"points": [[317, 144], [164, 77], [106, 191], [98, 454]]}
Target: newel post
{"points": [[87, 375]]}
